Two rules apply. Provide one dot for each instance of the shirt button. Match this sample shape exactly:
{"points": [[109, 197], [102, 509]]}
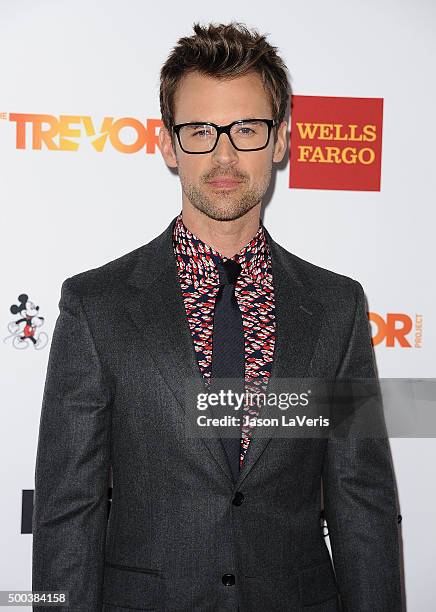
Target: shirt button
{"points": [[238, 499], [228, 579]]}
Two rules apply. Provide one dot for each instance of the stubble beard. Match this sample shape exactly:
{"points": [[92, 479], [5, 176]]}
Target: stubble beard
{"points": [[225, 205]]}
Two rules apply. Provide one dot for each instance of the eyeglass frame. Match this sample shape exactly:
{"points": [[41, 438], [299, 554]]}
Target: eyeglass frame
{"points": [[223, 129]]}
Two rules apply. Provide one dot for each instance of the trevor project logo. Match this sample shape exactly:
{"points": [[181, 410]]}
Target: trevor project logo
{"points": [[71, 132]]}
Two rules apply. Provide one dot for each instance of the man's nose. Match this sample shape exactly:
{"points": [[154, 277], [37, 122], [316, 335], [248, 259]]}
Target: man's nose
{"points": [[224, 152]]}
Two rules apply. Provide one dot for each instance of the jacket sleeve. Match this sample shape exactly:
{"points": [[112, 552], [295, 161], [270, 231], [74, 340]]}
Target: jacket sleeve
{"points": [[72, 465], [360, 498]]}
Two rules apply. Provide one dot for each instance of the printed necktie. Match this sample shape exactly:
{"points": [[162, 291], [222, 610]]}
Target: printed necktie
{"points": [[228, 354]]}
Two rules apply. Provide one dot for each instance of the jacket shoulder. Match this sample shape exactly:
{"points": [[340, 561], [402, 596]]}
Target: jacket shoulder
{"points": [[316, 278], [109, 276]]}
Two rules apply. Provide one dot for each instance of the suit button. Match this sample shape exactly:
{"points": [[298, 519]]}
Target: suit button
{"points": [[238, 499], [228, 579]]}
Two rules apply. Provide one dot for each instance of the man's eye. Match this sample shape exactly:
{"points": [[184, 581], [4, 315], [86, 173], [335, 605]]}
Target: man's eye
{"points": [[202, 133], [246, 131]]}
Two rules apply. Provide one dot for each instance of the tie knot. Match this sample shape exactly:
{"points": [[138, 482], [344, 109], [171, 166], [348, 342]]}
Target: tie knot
{"points": [[229, 271]]}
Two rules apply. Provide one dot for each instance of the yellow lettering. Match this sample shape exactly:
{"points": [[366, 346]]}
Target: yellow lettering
{"points": [[66, 132], [304, 151], [325, 131], [307, 130], [371, 156], [370, 133], [353, 133]]}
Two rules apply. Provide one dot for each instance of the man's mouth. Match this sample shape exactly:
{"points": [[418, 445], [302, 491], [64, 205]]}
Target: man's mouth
{"points": [[224, 183]]}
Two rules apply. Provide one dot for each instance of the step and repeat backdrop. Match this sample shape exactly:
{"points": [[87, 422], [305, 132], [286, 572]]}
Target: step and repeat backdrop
{"points": [[82, 182]]}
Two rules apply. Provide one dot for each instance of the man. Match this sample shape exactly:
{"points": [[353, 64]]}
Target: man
{"points": [[203, 523]]}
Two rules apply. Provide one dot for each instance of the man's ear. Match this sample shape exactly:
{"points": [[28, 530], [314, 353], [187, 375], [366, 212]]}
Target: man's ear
{"points": [[166, 148], [281, 143]]}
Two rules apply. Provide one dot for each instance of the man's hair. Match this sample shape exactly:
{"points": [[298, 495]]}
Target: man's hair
{"points": [[224, 51]]}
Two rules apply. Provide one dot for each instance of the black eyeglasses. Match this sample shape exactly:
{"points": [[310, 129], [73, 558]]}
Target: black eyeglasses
{"points": [[244, 134]]}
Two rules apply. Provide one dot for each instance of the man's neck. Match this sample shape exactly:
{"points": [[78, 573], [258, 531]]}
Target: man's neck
{"points": [[226, 237]]}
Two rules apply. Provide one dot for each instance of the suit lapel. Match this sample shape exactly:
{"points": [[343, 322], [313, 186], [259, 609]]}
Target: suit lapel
{"points": [[298, 322], [157, 309]]}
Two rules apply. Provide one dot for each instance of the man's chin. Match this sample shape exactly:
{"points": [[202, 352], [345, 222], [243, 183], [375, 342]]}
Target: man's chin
{"points": [[226, 205], [224, 213]]}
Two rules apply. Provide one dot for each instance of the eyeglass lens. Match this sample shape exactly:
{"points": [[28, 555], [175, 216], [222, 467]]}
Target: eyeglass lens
{"points": [[199, 137]]}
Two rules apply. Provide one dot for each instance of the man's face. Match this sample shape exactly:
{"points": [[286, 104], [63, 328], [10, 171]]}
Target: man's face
{"points": [[226, 183]]}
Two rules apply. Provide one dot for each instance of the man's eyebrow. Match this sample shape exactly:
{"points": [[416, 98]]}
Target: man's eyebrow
{"points": [[193, 122], [203, 121]]}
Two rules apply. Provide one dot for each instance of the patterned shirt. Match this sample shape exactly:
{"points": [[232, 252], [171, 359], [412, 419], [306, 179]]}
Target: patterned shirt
{"points": [[199, 281]]}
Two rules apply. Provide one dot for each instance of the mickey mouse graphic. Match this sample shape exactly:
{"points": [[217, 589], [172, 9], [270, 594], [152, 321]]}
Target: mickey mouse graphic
{"points": [[24, 335]]}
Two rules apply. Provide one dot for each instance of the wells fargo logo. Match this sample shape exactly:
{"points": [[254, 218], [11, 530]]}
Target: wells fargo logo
{"points": [[70, 132], [396, 329], [336, 143]]}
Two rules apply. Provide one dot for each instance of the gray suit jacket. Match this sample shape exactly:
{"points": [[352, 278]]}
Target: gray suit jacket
{"points": [[114, 400]]}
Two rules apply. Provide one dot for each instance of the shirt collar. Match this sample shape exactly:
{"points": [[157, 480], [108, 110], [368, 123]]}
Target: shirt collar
{"points": [[197, 260]]}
